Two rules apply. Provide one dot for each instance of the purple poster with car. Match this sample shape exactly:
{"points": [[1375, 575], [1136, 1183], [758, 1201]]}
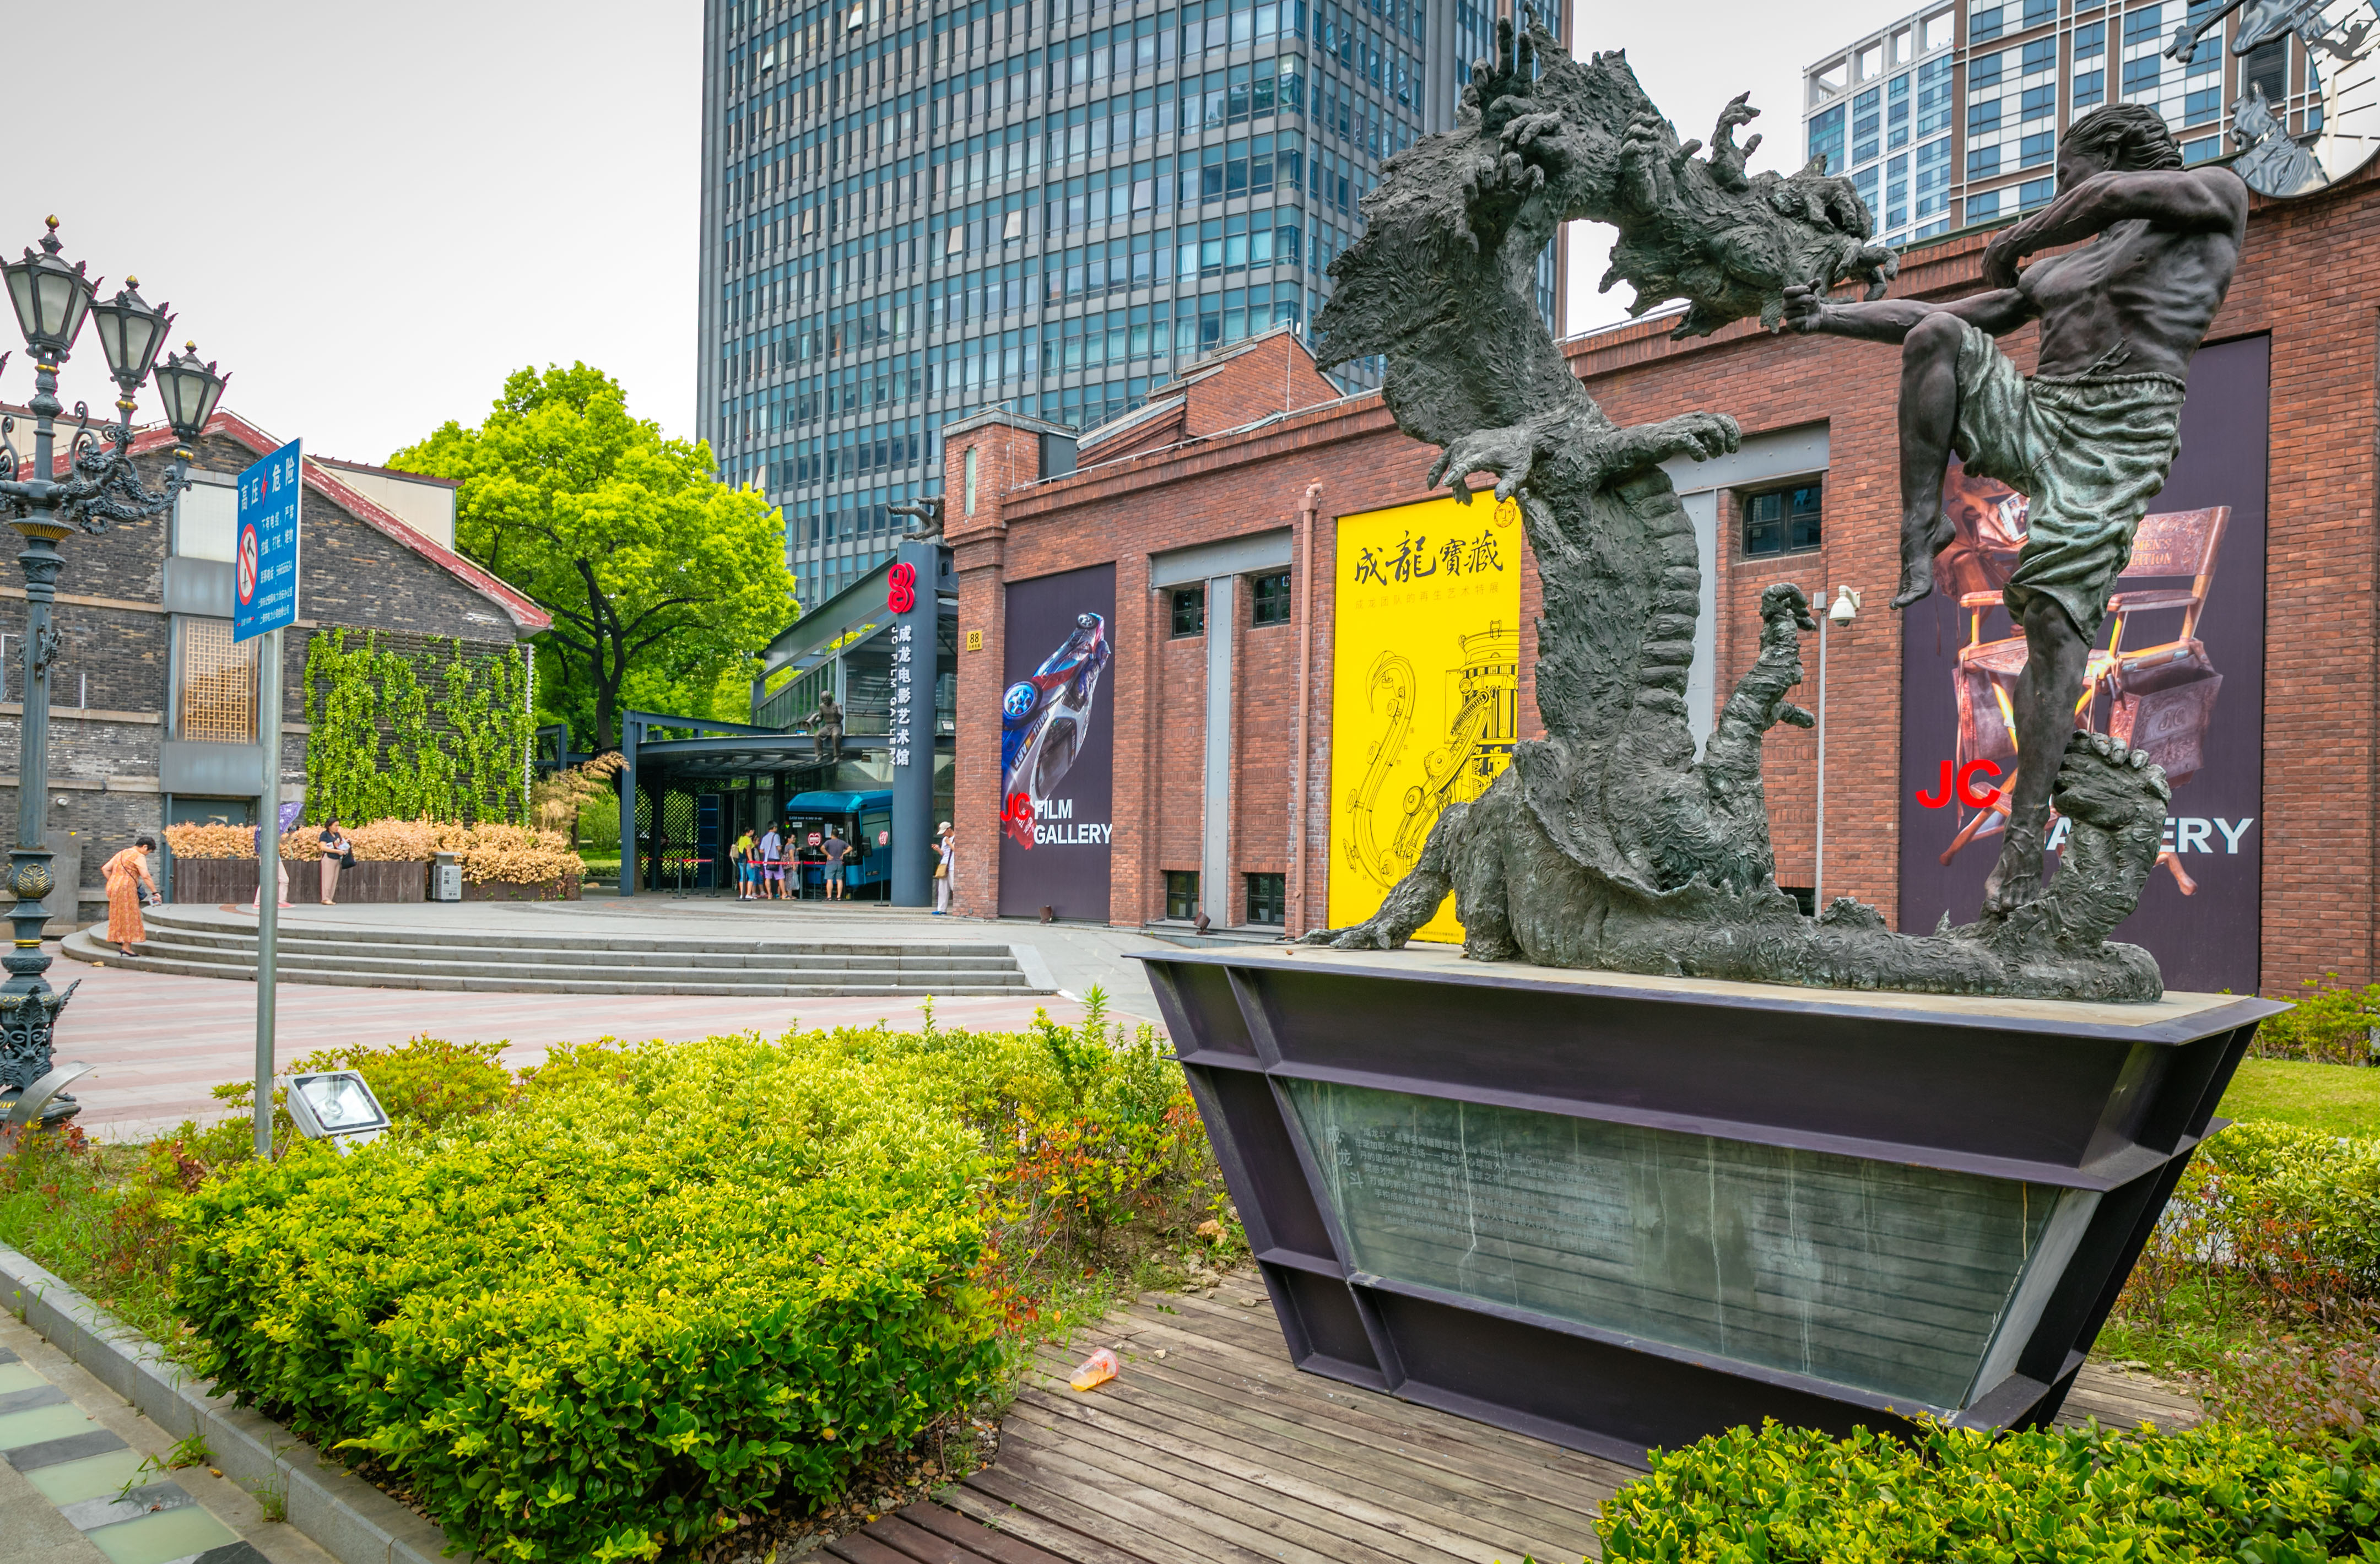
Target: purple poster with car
{"points": [[2178, 669], [1057, 746]]}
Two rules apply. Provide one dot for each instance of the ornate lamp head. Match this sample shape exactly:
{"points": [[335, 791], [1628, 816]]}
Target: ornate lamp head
{"points": [[130, 332], [189, 388], [51, 297]]}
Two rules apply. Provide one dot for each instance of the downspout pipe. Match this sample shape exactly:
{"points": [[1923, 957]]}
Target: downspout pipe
{"points": [[1307, 510]]}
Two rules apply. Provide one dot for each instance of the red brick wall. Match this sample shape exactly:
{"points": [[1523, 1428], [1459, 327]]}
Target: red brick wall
{"points": [[2307, 279]]}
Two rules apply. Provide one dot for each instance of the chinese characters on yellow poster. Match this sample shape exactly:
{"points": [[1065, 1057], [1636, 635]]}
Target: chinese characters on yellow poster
{"points": [[1426, 689]]}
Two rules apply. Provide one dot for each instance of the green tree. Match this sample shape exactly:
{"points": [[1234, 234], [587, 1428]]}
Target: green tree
{"points": [[660, 578]]}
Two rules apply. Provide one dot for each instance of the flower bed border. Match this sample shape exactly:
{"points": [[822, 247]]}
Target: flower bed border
{"points": [[207, 881], [341, 1513]]}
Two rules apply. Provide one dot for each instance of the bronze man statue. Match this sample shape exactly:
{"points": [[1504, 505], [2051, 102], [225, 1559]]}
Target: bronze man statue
{"points": [[826, 731], [2089, 438]]}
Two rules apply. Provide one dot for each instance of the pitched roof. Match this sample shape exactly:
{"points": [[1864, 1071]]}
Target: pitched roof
{"points": [[324, 480]]}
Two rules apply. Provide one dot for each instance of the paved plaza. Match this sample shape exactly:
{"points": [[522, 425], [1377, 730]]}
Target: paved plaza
{"points": [[160, 1042]]}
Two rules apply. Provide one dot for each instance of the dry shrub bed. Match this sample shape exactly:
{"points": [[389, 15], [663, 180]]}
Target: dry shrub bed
{"points": [[644, 1302], [490, 852]]}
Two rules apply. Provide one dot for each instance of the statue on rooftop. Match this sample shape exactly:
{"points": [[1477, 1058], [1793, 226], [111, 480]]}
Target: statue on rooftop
{"points": [[1607, 843]]}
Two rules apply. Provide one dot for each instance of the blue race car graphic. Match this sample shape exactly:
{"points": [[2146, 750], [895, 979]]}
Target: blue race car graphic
{"points": [[1044, 720]]}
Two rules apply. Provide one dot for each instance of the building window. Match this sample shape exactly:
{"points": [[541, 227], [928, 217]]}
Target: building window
{"points": [[1270, 598], [2037, 149], [1983, 162], [1984, 25], [1781, 521], [1827, 137], [1181, 894], [1984, 207], [206, 519], [2036, 192], [2089, 86], [216, 700], [1189, 612], [1268, 902]]}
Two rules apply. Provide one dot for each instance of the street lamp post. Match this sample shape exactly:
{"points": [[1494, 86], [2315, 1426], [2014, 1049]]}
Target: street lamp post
{"points": [[98, 489]]}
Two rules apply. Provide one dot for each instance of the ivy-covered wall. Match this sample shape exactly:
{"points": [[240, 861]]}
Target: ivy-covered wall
{"points": [[408, 727]]}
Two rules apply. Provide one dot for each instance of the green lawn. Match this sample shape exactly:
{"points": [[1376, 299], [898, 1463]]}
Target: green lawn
{"points": [[2341, 1099]]}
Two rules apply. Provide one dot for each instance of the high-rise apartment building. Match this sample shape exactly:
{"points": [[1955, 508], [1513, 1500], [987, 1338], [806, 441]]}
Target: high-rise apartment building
{"points": [[1952, 116], [914, 209]]}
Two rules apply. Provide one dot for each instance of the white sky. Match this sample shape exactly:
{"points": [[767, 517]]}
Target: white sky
{"points": [[370, 214]]}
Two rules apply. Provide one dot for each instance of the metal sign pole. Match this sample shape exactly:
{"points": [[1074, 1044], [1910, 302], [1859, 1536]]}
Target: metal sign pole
{"points": [[265, 600], [268, 881]]}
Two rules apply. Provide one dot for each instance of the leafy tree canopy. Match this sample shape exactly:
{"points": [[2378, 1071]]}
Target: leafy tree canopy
{"points": [[664, 582]]}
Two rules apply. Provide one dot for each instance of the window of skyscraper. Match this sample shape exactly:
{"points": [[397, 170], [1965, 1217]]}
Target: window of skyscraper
{"points": [[1984, 71], [2036, 192], [2037, 149], [2041, 54], [1827, 137]]}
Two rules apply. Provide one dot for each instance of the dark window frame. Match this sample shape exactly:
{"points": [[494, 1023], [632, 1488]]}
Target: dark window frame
{"points": [[1791, 518], [1269, 599], [1181, 894], [1267, 897], [1186, 608]]}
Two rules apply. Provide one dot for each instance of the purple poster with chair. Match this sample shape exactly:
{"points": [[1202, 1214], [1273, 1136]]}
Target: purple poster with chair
{"points": [[2178, 667]]}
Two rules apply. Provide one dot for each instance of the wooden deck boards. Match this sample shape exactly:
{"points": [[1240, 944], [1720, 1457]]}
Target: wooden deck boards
{"points": [[1210, 1449]]}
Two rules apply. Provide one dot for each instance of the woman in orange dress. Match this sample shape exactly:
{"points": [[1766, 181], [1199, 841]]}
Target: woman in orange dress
{"points": [[126, 872]]}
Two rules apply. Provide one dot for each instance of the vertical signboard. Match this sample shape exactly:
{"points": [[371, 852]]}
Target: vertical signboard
{"points": [[1057, 746], [2178, 669], [1425, 692], [911, 598], [264, 562]]}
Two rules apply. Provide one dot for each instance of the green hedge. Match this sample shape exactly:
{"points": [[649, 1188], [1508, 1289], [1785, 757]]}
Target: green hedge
{"points": [[2264, 1186], [1779, 1496], [665, 1286]]}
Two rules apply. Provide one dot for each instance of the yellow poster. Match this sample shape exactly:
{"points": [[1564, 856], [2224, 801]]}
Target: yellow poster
{"points": [[1424, 703]]}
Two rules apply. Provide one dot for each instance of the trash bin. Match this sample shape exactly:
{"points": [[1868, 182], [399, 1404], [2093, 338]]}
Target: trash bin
{"points": [[446, 878]]}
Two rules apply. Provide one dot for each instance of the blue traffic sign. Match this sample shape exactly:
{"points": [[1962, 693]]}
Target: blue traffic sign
{"points": [[264, 564]]}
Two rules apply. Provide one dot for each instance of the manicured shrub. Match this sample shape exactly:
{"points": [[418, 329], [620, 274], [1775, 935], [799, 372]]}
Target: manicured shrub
{"points": [[664, 1286], [1780, 1496], [2334, 1022]]}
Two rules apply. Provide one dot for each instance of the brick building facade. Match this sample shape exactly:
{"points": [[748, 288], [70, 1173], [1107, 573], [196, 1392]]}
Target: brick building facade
{"points": [[153, 713], [1229, 464]]}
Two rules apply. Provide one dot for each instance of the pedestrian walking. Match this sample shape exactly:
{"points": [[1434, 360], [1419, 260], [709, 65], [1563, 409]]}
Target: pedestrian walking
{"points": [[747, 873], [281, 873], [338, 853], [772, 867], [126, 874], [835, 849], [945, 869]]}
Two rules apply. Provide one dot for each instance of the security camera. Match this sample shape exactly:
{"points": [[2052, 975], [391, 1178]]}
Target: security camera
{"points": [[1846, 607]]}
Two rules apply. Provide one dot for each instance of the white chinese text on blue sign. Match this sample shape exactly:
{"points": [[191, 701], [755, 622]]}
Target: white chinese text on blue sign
{"points": [[264, 564]]}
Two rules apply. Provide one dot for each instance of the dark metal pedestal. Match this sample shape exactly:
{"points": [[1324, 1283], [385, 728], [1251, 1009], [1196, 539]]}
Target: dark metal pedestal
{"points": [[1622, 1212]]}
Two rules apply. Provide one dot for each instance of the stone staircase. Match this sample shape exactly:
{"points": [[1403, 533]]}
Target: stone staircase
{"points": [[205, 943]]}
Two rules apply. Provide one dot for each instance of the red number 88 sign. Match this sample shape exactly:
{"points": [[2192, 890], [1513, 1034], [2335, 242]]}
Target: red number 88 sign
{"points": [[904, 594]]}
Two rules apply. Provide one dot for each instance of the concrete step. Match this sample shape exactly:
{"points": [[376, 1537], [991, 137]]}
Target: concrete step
{"points": [[197, 945], [214, 924], [497, 964], [504, 977]]}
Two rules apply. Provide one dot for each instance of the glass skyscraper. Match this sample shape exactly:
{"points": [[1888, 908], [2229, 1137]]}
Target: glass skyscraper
{"points": [[1952, 116], [914, 209]]}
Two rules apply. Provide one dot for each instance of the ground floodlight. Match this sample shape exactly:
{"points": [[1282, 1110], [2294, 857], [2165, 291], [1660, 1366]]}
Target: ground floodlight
{"points": [[335, 1105]]}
